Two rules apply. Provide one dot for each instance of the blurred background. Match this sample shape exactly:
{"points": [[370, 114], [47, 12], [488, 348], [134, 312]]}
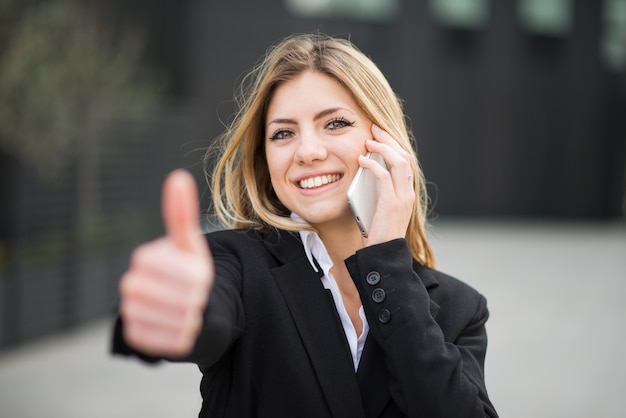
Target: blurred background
{"points": [[519, 110]]}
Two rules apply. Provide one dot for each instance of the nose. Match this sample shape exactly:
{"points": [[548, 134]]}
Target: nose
{"points": [[311, 148]]}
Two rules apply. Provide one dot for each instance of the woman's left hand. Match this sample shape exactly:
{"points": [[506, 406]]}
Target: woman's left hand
{"points": [[396, 185]]}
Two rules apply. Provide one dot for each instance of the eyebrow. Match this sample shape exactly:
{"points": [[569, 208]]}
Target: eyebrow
{"points": [[317, 116]]}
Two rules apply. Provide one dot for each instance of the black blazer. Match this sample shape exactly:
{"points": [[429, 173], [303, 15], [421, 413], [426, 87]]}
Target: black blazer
{"points": [[272, 344]]}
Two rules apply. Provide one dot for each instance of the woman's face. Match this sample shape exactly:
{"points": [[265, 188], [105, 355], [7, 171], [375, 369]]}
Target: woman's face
{"points": [[315, 132]]}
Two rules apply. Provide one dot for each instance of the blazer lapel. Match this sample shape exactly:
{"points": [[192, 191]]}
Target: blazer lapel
{"points": [[316, 318]]}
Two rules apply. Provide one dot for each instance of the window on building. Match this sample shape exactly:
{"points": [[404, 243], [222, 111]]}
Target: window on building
{"points": [[613, 38], [368, 10], [460, 14], [546, 17]]}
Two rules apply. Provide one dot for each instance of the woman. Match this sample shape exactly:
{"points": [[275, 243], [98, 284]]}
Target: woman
{"points": [[291, 311]]}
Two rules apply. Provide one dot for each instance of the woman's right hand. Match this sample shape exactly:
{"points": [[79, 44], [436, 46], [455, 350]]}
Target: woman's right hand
{"points": [[397, 188], [166, 288]]}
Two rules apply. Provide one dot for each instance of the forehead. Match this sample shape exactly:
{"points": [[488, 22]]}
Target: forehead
{"points": [[309, 90]]}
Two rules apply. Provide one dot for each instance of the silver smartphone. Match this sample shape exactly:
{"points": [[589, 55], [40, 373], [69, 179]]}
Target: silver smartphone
{"points": [[363, 195]]}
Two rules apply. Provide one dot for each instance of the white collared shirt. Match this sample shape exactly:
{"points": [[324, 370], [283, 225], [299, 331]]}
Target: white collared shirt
{"points": [[314, 248]]}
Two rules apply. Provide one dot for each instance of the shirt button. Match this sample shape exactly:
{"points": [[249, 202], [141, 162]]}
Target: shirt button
{"points": [[384, 316], [378, 295], [373, 277]]}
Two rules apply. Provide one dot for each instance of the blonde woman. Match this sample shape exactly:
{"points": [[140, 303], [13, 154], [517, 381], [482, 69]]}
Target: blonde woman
{"points": [[290, 311]]}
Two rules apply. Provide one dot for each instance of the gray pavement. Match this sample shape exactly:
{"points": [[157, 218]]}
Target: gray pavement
{"points": [[557, 296]]}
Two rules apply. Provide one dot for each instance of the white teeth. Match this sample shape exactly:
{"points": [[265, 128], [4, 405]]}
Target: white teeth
{"points": [[319, 181]]}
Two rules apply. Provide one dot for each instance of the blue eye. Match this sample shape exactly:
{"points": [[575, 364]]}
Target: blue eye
{"points": [[281, 134], [338, 123]]}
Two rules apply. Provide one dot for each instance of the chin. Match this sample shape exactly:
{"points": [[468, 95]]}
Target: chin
{"points": [[334, 217]]}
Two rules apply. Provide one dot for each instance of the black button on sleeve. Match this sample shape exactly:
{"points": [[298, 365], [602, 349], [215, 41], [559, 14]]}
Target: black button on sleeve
{"points": [[373, 277], [384, 316], [378, 295]]}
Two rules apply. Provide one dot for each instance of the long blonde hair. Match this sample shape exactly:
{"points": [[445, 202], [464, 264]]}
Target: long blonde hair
{"points": [[241, 189]]}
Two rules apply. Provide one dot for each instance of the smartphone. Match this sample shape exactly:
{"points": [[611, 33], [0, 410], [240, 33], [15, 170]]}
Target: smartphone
{"points": [[363, 195]]}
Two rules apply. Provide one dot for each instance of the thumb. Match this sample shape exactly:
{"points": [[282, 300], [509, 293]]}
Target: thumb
{"points": [[181, 212]]}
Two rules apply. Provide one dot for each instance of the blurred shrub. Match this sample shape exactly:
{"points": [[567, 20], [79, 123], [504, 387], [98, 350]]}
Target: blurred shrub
{"points": [[63, 73]]}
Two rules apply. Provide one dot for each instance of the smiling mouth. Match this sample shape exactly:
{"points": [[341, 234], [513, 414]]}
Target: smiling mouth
{"points": [[318, 181]]}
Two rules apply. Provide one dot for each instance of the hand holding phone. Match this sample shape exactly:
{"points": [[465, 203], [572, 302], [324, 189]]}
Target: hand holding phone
{"points": [[363, 195]]}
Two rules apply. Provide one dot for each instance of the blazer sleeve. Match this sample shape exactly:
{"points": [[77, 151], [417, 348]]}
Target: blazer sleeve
{"points": [[223, 320], [434, 349]]}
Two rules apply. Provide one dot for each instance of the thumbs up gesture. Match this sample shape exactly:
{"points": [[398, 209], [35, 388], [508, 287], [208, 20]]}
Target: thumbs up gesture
{"points": [[165, 290]]}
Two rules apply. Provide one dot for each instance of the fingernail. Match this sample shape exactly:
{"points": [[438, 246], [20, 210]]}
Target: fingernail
{"points": [[376, 127]]}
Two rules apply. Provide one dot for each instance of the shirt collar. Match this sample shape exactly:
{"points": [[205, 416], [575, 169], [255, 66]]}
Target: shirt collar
{"points": [[313, 247]]}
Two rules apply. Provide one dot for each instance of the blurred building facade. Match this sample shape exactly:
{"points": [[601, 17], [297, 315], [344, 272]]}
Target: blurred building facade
{"points": [[518, 109], [513, 116]]}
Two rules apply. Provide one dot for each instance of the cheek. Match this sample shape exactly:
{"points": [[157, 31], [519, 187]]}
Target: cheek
{"points": [[354, 148], [279, 184], [359, 137], [277, 168]]}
